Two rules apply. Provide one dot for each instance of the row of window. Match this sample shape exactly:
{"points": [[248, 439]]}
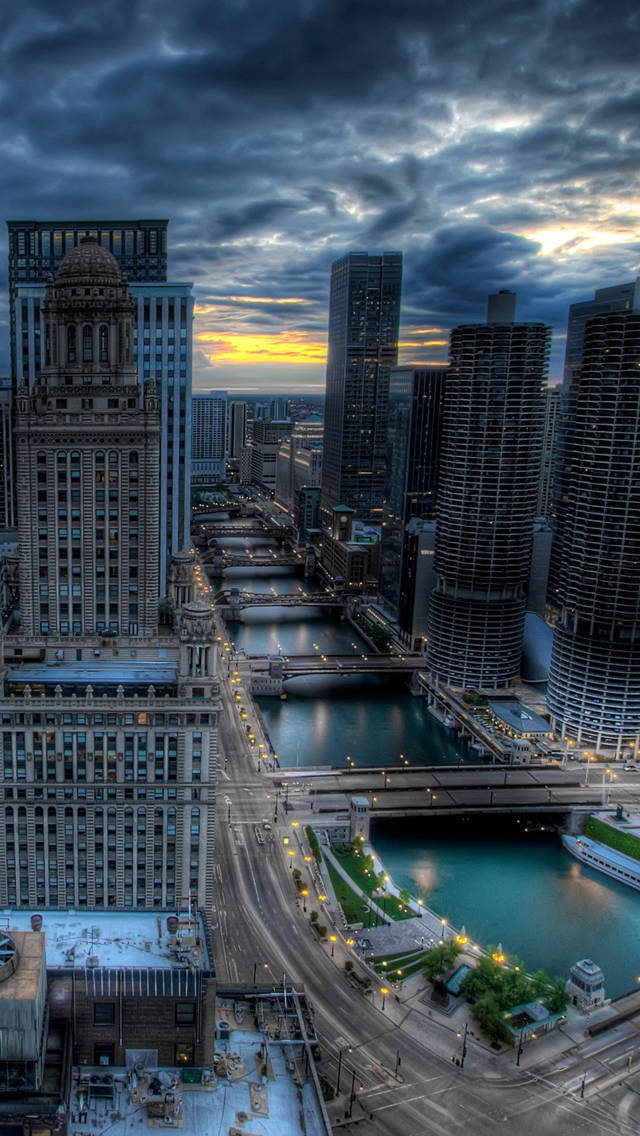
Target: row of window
{"points": [[104, 1013]]}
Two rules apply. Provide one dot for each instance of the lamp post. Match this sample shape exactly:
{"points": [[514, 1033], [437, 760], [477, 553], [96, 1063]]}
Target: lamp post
{"points": [[333, 940], [291, 853], [520, 1047], [304, 893], [464, 1044], [384, 991]]}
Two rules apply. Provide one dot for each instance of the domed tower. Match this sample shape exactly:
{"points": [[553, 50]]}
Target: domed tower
{"points": [[88, 463]]}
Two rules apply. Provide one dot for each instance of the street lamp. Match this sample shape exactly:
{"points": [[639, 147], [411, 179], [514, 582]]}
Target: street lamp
{"points": [[304, 893], [291, 852], [347, 1049], [384, 991], [464, 1044], [333, 939]]}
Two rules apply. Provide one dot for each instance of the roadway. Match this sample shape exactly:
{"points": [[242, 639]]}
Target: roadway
{"points": [[257, 922], [415, 790]]}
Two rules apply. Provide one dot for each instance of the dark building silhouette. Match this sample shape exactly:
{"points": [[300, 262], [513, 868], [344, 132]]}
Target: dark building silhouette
{"points": [[416, 399], [364, 313]]}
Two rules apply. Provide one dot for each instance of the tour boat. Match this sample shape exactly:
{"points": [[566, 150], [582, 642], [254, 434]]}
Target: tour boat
{"points": [[604, 859]]}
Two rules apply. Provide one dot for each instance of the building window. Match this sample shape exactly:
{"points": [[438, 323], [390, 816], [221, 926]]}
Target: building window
{"points": [[87, 344], [184, 1055], [104, 1013], [71, 344], [103, 1053], [185, 1013]]}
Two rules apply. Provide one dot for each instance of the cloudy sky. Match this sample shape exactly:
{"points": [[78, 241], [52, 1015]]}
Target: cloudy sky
{"points": [[495, 144]]}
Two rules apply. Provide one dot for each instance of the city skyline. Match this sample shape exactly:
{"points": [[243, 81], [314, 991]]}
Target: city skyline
{"points": [[478, 145]]}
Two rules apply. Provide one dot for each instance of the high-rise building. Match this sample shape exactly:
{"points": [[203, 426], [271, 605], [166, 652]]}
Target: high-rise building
{"points": [[162, 338], [618, 298], [594, 684], [487, 496], [236, 428], [416, 399], [299, 462], [88, 508], [263, 451], [7, 488], [208, 436], [549, 449], [364, 314], [109, 721]]}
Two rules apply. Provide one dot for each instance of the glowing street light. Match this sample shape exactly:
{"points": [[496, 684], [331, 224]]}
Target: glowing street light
{"points": [[384, 991], [333, 939]]}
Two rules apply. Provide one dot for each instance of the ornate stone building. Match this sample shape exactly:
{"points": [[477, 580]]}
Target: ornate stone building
{"points": [[109, 718]]}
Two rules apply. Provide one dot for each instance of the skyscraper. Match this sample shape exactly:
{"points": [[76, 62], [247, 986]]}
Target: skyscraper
{"points": [[109, 721], [594, 683], [162, 338], [87, 463], [208, 436], [7, 494], [236, 427], [416, 399], [617, 298], [364, 314], [487, 494]]}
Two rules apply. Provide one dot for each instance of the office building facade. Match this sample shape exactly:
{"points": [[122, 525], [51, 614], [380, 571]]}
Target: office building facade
{"points": [[364, 314], [109, 720], [236, 428], [162, 338], [487, 496], [7, 488], [208, 437], [594, 684], [416, 400]]}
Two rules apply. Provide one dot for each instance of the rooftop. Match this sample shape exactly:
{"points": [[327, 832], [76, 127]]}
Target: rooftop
{"points": [[518, 717], [95, 671], [258, 1086], [98, 939]]}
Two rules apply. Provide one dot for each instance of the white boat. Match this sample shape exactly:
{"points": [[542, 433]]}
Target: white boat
{"points": [[604, 859]]}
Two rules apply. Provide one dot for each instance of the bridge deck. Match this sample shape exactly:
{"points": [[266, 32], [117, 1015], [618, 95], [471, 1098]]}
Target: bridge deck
{"points": [[421, 790]]}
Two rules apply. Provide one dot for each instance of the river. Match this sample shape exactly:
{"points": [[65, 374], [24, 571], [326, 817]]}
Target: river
{"points": [[504, 885]]}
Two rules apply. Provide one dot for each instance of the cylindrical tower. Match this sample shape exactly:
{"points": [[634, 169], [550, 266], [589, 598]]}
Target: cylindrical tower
{"points": [[489, 473], [594, 682]]}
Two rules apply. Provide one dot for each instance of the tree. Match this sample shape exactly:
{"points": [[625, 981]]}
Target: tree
{"points": [[439, 960], [490, 1017], [557, 997], [405, 896]]}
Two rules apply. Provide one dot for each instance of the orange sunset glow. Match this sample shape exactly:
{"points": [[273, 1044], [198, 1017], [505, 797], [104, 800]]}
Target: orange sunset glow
{"points": [[286, 347]]}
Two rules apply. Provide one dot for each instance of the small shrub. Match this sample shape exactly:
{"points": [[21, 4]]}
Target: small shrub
{"points": [[348, 966], [314, 917]]}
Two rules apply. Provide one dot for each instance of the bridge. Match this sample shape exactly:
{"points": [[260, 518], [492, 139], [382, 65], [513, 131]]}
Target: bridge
{"points": [[291, 666], [216, 558], [286, 599], [436, 790], [255, 529]]}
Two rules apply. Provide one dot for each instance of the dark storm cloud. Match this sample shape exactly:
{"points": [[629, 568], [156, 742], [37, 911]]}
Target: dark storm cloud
{"points": [[495, 144]]}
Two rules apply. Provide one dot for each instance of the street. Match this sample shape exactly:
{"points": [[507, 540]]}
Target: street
{"points": [[260, 930]]}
